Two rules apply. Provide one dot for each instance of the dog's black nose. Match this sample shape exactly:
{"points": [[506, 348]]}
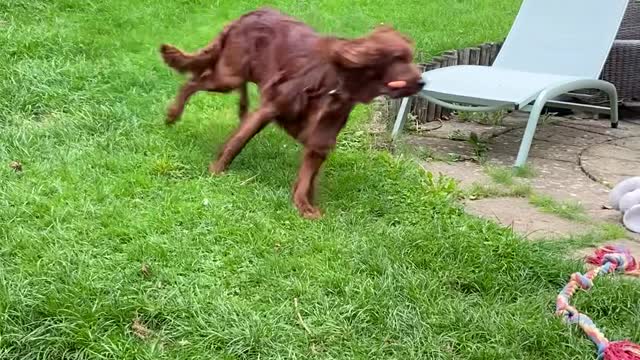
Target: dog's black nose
{"points": [[421, 83]]}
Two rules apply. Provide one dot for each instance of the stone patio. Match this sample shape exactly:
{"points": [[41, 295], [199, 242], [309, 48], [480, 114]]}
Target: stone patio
{"points": [[576, 159]]}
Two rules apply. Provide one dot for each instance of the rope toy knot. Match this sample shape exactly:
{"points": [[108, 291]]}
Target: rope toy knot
{"points": [[609, 259], [619, 258], [585, 282]]}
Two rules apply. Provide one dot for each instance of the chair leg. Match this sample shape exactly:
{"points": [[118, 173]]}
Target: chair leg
{"points": [[401, 117], [530, 130], [613, 104]]}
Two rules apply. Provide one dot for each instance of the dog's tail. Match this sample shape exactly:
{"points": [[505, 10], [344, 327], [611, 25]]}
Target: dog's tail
{"points": [[196, 62]]}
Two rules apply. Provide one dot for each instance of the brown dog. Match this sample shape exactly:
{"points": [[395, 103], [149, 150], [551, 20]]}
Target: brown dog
{"points": [[308, 83]]}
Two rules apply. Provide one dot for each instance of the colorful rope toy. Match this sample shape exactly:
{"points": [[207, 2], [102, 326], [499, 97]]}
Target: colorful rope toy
{"points": [[609, 259]]}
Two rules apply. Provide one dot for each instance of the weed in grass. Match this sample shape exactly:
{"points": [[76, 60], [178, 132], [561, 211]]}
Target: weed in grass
{"points": [[546, 118], [479, 146], [425, 153], [481, 191], [500, 175], [525, 171], [521, 190], [495, 118], [565, 209], [505, 175], [458, 135]]}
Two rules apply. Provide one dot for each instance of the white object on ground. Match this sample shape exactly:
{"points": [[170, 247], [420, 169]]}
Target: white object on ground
{"points": [[625, 186], [629, 200], [631, 219]]}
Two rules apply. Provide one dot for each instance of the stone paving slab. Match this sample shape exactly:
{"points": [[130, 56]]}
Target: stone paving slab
{"points": [[631, 142], [574, 160], [562, 135], [524, 218], [552, 179], [598, 126], [615, 150], [443, 147], [466, 173], [611, 162], [566, 182], [504, 149], [462, 129]]}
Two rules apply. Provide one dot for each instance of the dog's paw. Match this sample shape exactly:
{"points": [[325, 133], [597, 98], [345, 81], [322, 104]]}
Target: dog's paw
{"points": [[172, 115], [314, 214], [310, 212], [216, 169]]}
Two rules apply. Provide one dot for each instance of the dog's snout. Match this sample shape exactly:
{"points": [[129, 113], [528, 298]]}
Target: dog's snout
{"points": [[421, 83]]}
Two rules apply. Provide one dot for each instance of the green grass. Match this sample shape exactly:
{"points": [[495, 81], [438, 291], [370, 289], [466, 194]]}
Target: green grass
{"points": [[116, 244], [613, 231]]}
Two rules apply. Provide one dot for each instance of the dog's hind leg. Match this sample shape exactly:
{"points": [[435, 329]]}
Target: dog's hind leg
{"points": [[209, 81], [243, 103]]}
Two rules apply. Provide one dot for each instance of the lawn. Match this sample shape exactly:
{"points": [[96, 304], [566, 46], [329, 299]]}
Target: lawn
{"points": [[115, 243]]}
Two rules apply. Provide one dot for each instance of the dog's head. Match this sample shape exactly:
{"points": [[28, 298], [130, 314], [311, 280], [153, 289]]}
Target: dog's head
{"points": [[382, 61]]}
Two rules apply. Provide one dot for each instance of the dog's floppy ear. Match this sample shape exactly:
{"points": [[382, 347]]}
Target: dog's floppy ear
{"points": [[356, 53], [390, 30], [368, 50]]}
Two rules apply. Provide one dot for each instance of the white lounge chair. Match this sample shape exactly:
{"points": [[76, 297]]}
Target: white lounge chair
{"points": [[554, 47]]}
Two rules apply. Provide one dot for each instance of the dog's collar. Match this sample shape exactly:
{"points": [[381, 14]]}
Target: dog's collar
{"points": [[338, 94], [337, 91]]}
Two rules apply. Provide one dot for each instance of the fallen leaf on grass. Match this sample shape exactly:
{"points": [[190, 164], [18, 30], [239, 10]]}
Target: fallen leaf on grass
{"points": [[16, 166], [145, 270], [140, 330]]}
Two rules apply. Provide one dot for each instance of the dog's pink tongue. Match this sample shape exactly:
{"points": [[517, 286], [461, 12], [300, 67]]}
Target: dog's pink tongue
{"points": [[397, 84]]}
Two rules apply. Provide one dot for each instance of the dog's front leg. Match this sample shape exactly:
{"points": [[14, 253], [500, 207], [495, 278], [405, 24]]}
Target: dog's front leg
{"points": [[248, 128], [304, 188], [185, 92]]}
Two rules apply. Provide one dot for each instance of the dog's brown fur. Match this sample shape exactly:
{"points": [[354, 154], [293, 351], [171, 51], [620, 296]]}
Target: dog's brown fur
{"points": [[308, 83]]}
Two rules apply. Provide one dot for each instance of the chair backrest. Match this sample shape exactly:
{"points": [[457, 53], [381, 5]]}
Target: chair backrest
{"points": [[630, 27], [562, 37]]}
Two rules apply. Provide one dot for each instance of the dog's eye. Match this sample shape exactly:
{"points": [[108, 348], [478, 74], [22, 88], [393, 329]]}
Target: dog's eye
{"points": [[394, 59]]}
